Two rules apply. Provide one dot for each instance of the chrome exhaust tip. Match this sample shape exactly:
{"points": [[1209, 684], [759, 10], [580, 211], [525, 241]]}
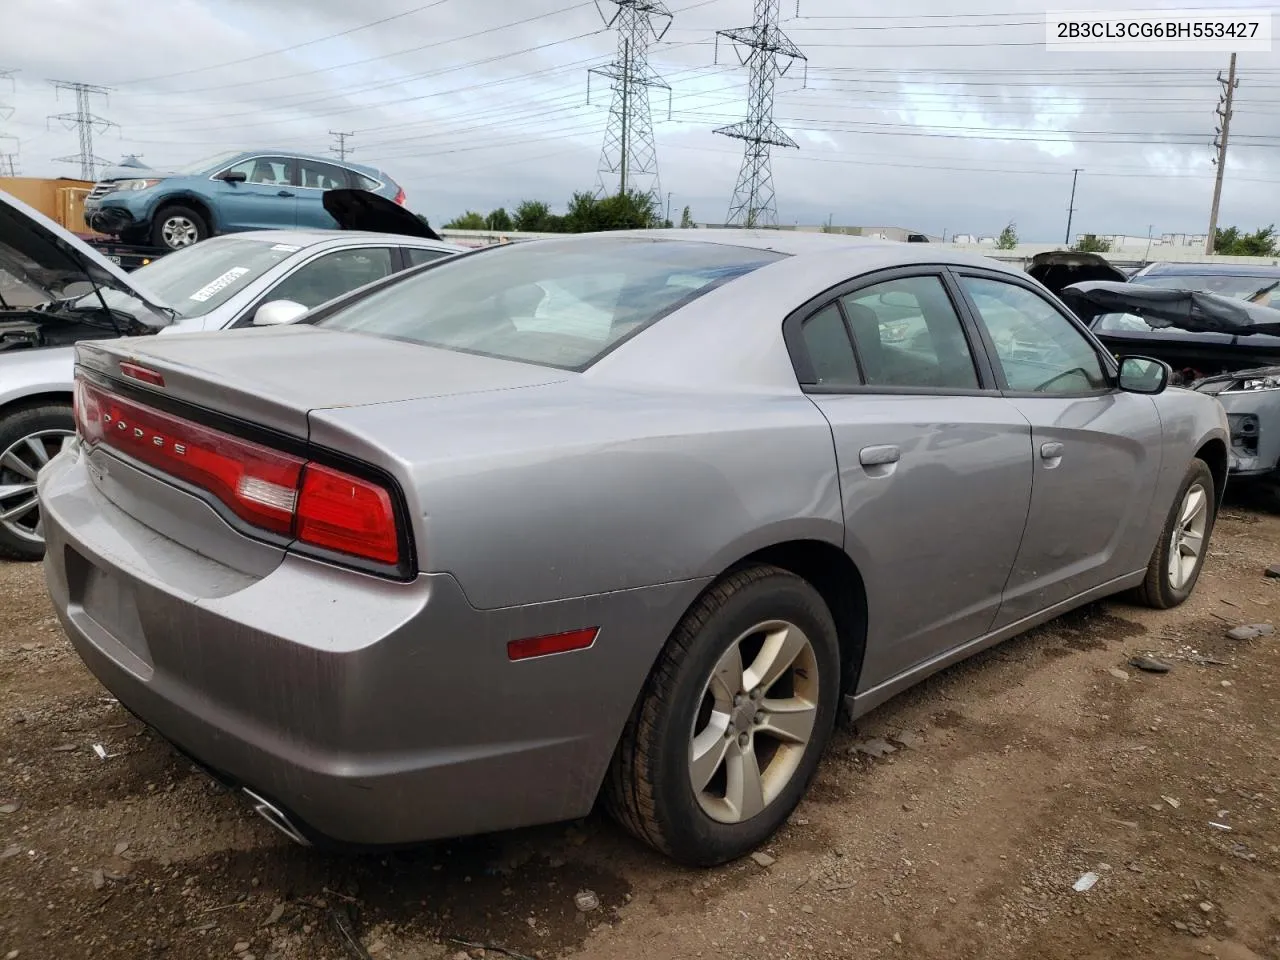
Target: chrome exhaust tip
{"points": [[269, 812]]}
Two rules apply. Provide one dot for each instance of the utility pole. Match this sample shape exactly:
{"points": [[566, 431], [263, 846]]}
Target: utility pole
{"points": [[340, 148], [754, 203], [1223, 110], [87, 121], [668, 216], [1071, 204], [629, 153]]}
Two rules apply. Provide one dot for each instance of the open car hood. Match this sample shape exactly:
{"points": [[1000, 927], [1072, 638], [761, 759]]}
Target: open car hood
{"points": [[1057, 269], [363, 210], [43, 256], [1189, 310]]}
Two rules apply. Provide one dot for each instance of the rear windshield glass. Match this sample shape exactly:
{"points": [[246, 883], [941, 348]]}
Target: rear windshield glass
{"points": [[558, 303]]}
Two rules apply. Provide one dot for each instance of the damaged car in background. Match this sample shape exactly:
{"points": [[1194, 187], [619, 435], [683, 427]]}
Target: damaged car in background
{"points": [[1225, 344], [55, 291]]}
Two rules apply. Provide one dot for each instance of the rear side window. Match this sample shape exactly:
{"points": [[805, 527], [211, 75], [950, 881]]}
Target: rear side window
{"points": [[360, 182], [830, 352], [418, 256], [559, 303]]}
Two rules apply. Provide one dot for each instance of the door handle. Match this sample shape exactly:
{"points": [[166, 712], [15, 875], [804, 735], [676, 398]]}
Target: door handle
{"points": [[880, 456], [1050, 451], [284, 193]]}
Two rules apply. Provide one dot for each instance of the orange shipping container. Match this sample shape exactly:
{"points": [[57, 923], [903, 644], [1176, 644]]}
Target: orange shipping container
{"points": [[60, 199]]}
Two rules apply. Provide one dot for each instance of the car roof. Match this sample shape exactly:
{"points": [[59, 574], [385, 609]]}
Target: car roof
{"points": [[854, 254], [312, 238], [1211, 270]]}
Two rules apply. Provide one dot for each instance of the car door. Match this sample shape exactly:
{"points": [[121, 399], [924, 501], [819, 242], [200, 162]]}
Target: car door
{"points": [[264, 200], [328, 275], [314, 178], [1096, 448], [934, 464]]}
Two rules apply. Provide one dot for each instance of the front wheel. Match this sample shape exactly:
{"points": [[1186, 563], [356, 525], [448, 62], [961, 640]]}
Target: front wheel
{"points": [[732, 721], [1179, 556], [29, 439], [176, 227]]}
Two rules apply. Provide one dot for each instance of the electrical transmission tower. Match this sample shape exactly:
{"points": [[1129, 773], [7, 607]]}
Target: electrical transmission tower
{"points": [[340, 148], [753, 203], [87, 121], [629, 156]]}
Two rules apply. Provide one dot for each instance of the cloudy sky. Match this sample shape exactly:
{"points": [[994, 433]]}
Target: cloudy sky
{"points": [[943, 116]]}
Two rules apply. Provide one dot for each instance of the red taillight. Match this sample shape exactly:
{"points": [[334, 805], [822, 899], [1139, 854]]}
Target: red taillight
{"points": [[340, 512], [400, 198], [272, 491]]}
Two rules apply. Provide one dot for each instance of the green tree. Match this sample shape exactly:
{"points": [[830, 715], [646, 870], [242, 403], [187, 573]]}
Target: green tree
{"points": [[1008, 238], [499, 220], [1090, 243], [532, 216], [1261, 243], [686, 220], [468, 221]]}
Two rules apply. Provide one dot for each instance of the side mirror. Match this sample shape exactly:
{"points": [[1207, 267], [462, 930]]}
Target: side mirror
{"points": [[234, 176], [1144, 375], [277, 312]]}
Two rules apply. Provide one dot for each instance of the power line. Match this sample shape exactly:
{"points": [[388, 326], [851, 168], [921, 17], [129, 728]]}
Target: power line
{"points": [[340, 148], [629, 151], [754, 202], [296, 46], [1224, 112], [86, 121]]}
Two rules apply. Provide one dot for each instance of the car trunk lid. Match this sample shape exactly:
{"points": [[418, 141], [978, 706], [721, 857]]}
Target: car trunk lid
{"points": [[274, 376]]}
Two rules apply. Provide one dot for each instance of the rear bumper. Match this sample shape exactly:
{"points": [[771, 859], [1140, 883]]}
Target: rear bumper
{"points": [[372, 712]]}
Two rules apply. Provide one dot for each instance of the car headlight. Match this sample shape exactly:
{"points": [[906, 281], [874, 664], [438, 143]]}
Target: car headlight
{"points": [[136, 184], [1257, 383]]}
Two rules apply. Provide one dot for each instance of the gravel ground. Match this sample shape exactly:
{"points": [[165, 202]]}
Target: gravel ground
{"points": [[952, 823]]}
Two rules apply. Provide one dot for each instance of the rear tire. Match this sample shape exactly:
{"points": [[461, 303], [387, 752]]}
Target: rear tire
{"points": [[176, 227], [681, 778], [29, 438], [1186, 533]]}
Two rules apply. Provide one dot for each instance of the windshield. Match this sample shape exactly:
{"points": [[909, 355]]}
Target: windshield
{"points": [[1264, 291], [200, 278], [558, 303], [209, 164]]}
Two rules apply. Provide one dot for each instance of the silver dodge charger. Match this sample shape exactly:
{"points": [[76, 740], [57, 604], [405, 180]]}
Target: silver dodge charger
{"points": [[623, 516]]}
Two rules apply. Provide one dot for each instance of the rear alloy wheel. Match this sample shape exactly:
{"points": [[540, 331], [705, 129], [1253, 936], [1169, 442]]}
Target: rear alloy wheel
{"points": [[28, 440], [733, 720], [1179, 556], [177, 227]]}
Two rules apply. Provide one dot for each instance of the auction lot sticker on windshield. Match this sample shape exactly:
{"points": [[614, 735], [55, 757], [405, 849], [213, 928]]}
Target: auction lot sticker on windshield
{"points": [[1189, 30], [221, 283]]}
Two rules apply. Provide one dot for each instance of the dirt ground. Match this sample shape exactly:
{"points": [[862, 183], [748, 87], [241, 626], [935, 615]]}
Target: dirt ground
{"points": [[1011, 776]]}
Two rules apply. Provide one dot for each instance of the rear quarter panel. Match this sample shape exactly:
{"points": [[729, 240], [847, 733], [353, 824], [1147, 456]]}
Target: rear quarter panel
{"points": [[25, 374], [574, 489]]}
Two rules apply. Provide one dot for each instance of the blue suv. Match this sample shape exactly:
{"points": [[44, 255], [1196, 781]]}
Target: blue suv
{"points": [[229, 193]]}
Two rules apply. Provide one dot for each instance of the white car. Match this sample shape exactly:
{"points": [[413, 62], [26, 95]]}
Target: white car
{"points": [[56, 290]]}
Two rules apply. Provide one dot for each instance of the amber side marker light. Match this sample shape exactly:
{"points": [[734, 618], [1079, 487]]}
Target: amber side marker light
{"points": [[531, 647]]}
